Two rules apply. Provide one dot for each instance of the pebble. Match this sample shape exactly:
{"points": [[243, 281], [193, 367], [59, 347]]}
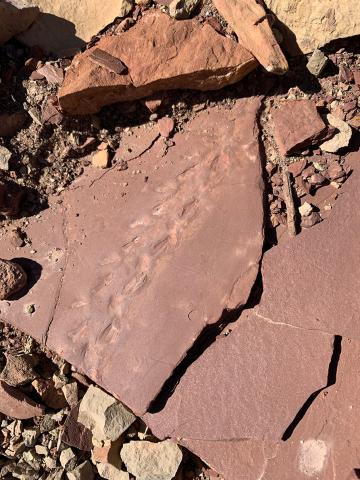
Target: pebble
{"points": [[305, 209], [317, 62], [12, 279], [100, 159], [166, 126]]}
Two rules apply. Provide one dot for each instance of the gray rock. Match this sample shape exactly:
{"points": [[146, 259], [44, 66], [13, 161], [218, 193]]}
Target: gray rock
{"points": [[181, 9], [104, 415], [317, 62], [152, 461]]}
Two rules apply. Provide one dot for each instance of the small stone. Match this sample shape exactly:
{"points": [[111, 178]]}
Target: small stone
{"points": [[125, 8], [103, 415], [30, 435], [108, 453], [18, 370], [16, 404], [335, 171], [52, 73], [341, 139], [109, 472], [70, 391], [29, 309], [41, 450], [82, 472], [166, 126], [316, 179], [305, 209], [182, 9], [310, 220], [52, 397], [5, 156], [153, 103], [50, 462], [317, 62], [100, 159], [68, 459], [345, 74], [297, 167], [12, 279], [147, 460], [32, 459]]}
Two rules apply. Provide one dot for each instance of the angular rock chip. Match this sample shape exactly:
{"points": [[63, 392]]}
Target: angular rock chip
{"points": [[249, 21], [319, 271], [74, 433], [84, 471], [297, 124], [65, 26], [103, 415], [307, 25], [16, 404], [147, 460], [263, 372], [18, 370], [341, 139], [12, 279], [144, 274], [160, 54], [16, 16]]}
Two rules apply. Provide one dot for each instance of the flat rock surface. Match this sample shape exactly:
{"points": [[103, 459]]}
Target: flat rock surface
{"points": [[301, 20], [71, 23], [263, 373], [138, 276], [297, 125], [160, 53]]}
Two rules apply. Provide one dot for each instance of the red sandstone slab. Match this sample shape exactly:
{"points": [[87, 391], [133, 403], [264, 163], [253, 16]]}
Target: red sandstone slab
{"points": [[297, 124], [248, 385], [151, 259], [313, 282]]}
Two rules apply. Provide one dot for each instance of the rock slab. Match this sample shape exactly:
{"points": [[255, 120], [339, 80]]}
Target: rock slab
{"points": [[307, 25], [15, 404], [157, 265], [160, 54]]}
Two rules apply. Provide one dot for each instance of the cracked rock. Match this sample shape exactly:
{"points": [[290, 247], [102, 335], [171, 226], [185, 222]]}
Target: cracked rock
{"points": [[12, 279], [155, 61], [339, 140], [103, 415], [150, 461], [317, 62]]}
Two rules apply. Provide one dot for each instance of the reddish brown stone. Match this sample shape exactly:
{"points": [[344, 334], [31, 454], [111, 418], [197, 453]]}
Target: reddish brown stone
{"points": [[11, 123], [157, 264], [263, 375], [12, 279], [16, 404], [166, 126], [75, 434], [297, 167], [160, 54], [15, 18], [297, 124]]}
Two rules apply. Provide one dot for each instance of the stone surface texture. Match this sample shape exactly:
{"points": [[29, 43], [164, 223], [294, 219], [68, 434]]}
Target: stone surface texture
{"points": [[71, 23], [249, 21], [160, 54], [307, 25], [297, 124], [262, 371], [17, 405], [152, 266], [16, 16], [12, 279], [151, 461]]}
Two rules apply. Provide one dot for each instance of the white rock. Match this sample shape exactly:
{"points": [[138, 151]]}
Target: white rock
{"points": [[305, 209], [181, 9], [82, 472], [151, 461], [68, 459], [103, 415], [108, 471], [341, 139]]}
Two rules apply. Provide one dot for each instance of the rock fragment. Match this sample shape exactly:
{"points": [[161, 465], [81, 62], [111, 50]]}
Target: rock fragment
{"points": [[15, 18], [156, 61], [299, 22], [103, 415], [305, 209], [181, 9], [63, 28], [166, 126], [12, 279], [84, 471], [317, 62], [52, 73], [249, 21], [18, 370], [148, 461], [109, 472], [101, 158], [339, 140], [297, 124], [68, 459], [5, 156], [15, 404], [74, 433]]}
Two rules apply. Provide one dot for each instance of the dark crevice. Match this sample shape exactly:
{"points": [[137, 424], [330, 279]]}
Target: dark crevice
{"points": [[206, 338], [331, 380]]}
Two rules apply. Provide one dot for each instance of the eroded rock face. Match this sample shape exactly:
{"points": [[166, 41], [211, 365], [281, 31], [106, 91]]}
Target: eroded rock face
{"points": [[158, 264], [12, 279], [63, 27], [249, 21], [16, 16], [160, 54], [308, 25]]}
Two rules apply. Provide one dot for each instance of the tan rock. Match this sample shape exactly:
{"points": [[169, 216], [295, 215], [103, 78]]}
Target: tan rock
{"points": [[109, 472], [15, 17], [65, 26], [12, 279], [100, 159], [249, 21], [160, 54], [83, 472], [308, 25], [341, 139]]}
